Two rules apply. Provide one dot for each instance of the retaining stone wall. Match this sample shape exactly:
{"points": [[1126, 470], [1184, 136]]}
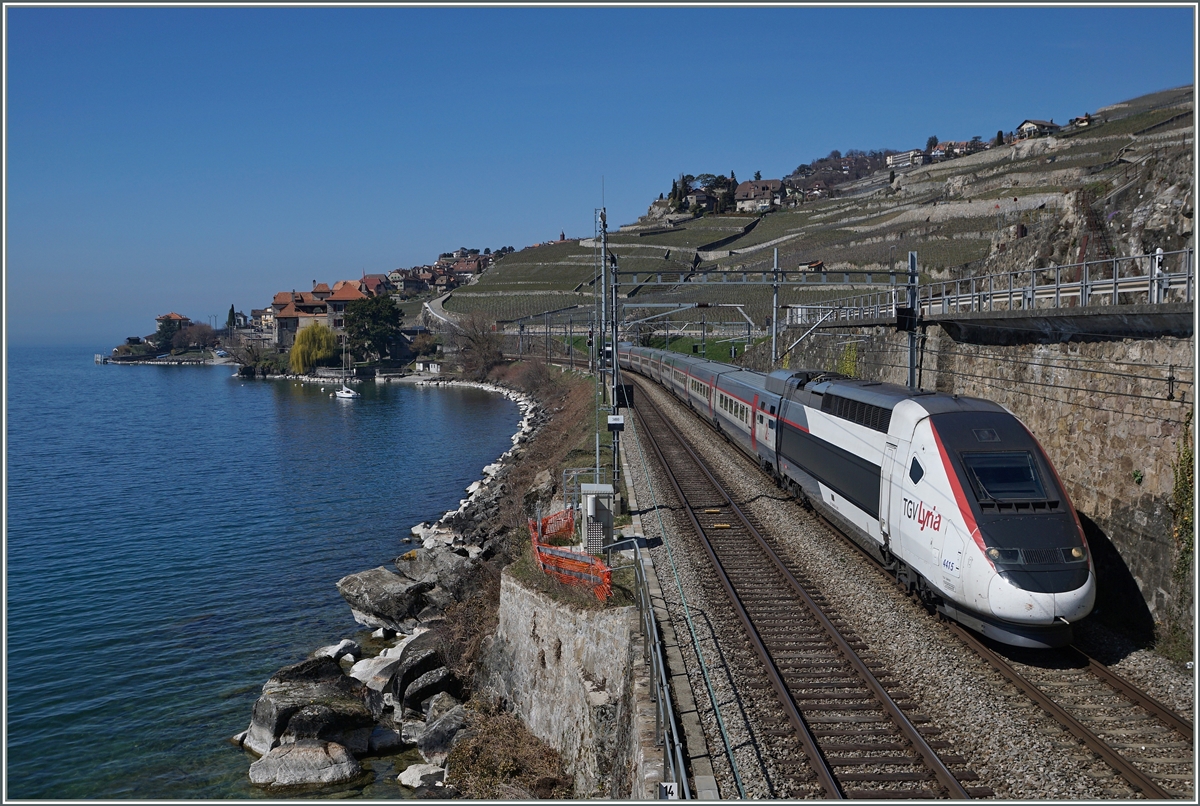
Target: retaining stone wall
{"points": [[572, 677]]}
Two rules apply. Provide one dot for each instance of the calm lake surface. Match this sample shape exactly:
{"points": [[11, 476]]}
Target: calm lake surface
{"points": [[174, 537]]}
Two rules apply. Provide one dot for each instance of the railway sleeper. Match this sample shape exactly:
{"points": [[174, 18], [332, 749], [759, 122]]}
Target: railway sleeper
{"points": [[863, 747], [817, 686], [850, 693], [1151, 730], [863, 761], [886, 777], [836, 706]]}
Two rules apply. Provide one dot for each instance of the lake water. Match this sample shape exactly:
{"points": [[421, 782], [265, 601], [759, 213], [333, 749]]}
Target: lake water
{"points": [[174, 536]]}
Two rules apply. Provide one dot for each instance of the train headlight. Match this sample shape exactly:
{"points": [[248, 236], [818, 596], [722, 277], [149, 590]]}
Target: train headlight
{"points": [[994, 553], [1078, 553]]}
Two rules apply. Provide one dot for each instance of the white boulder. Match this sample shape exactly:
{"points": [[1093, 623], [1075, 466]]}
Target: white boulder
{"points": [[422, 775], [306, 761]]}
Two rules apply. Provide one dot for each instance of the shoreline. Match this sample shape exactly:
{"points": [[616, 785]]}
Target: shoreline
{"points": [[434, 533], [455, 546]]}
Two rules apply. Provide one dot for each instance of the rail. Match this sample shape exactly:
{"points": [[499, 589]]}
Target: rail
{"points": [[1131, 773], [1115, 281], [667, 732]]}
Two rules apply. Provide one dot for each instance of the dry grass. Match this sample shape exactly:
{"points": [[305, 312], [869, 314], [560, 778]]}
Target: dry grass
{"points": [[569, 399], [501, 760], [526, 571], [465, 625]]}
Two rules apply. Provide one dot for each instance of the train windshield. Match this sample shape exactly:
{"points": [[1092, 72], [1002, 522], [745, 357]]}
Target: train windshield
{"points": [[1004, 476]]}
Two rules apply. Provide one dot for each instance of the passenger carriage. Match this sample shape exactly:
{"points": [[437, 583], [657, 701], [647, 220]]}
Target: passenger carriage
{"points": [[745, 412]]}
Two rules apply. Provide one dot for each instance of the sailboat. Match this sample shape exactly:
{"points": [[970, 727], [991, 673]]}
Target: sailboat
{"points": [[346, 393]]}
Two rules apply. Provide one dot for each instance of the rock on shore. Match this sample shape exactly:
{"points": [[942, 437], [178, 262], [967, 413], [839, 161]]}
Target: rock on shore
{"points": [[313, 699], [309, 761]]}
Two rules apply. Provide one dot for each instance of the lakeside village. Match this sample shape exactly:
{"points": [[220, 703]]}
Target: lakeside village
{"points": [[353, 327]]}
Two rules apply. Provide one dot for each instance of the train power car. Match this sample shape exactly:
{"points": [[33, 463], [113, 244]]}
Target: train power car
{"points": [[952, 494]]}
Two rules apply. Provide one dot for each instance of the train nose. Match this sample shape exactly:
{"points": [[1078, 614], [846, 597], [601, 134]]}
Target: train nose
{"points": [[1016, 604]]}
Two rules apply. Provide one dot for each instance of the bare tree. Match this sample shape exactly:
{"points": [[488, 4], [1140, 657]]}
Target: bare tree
{"points": [[478, 343], [256, 358]]}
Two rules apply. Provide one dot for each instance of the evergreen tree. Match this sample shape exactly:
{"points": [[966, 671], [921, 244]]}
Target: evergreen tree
{"points": [[230, 320], [931, 143], [999, 141], [372, 324], [757, 175], [166, 334]]}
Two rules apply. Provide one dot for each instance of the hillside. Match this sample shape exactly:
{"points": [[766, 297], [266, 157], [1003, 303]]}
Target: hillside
{"points": [[1125, 182]]}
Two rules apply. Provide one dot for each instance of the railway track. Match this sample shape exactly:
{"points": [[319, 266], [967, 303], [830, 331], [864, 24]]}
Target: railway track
{"points": [[1146, 743], [853, 734]]}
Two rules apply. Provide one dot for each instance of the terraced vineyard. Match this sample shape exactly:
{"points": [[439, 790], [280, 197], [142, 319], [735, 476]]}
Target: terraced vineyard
{"points": [[508, 306], [959, 216]]}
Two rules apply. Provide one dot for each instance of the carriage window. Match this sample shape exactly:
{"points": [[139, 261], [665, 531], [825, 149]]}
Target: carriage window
{"points": [[915, 471], [1006, 476]]}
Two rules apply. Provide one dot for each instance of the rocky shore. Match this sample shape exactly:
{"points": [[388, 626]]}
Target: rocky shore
{"points": [[316, 720]]}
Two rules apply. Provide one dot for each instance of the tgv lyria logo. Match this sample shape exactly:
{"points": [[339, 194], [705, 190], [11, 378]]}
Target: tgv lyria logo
{"points": [[923, 515]]}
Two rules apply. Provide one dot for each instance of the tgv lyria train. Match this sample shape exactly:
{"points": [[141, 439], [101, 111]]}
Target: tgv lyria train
{"points": [[951, 493]]}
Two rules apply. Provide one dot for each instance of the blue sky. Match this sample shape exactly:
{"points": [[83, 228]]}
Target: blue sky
{"points": [[185, 159]]}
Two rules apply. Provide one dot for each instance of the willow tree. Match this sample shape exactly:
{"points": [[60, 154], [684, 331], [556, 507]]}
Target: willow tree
{"points": [[315, 344]]}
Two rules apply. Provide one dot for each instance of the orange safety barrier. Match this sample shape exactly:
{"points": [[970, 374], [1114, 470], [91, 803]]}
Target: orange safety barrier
{"points": [[560, 524], [572, 567]]}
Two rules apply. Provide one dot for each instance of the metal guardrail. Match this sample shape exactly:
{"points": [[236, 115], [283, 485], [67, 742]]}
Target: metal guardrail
{"points": [[572, 482], [667, 732], [1141, 280]]}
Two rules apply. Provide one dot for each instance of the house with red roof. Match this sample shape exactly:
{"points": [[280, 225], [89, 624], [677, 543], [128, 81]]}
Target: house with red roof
{"points": [[179, 319], [296, 310], [346, 293], [376, 284]]}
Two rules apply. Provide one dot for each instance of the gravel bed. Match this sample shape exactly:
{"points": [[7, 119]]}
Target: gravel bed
{"points": [[1168, 681], [1010, 743]]}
